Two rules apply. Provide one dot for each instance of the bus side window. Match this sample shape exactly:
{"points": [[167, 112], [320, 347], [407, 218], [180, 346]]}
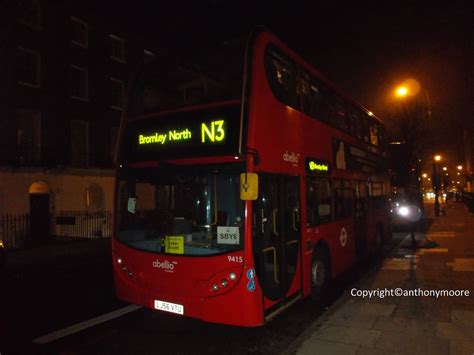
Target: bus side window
{"points": [[281, 76], [341, 115], [312, 97], [359, 124], [352, 122], [343, 199], [374, 133], [311, 202], [324, 208], [318, 201], [366, 129]]}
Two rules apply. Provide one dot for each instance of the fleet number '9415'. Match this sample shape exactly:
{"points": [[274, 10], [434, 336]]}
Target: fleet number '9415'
{"points": [[235, 259]]}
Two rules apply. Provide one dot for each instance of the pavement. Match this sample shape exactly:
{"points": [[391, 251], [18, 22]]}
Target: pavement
{"points": [[420, 321]]}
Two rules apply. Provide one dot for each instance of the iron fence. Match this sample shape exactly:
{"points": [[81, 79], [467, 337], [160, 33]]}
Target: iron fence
{"points": [[83, 224], [15, 229]]}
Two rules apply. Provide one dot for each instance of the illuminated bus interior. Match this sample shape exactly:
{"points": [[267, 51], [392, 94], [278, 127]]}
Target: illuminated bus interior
{"points": [[184, 212]]}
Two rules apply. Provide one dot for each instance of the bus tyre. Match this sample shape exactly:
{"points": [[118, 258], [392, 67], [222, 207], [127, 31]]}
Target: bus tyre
{"points": [[319, 274]]}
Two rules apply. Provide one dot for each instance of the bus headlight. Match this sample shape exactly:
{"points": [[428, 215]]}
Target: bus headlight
{"points": [[223, 282]]}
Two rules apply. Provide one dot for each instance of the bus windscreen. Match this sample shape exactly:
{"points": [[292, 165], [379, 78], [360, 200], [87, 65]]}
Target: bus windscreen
{"points": [[184, 212]]}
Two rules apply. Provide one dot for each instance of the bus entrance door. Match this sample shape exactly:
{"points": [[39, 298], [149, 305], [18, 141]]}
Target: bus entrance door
{"points": [[277, 240]]}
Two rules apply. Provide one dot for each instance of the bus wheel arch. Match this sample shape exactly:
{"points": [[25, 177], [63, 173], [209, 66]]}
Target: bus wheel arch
{"points": [[320, 270]]}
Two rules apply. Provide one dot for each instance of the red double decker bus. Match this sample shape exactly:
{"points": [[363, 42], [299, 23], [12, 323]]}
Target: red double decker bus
{"points": [[246, 181]]}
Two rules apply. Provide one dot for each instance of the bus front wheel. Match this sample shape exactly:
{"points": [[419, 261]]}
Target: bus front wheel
{"points": [[319, 274]]}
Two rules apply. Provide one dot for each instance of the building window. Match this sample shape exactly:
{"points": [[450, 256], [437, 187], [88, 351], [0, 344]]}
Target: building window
{"points": [[79, 144], [114, 132], [29, 67], [28, 136], [148, 57], [117, 93], [79, 32], [117, 48], [94, 198], [30, 13], [78, 83]]}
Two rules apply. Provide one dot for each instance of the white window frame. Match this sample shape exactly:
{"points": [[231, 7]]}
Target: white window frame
{"points": [[122, 84], [87, 150], [37, 25], [35, 121], [148, 56], [85, 28], [84, 70], [37, 54], [114, 138], [122, 46]]}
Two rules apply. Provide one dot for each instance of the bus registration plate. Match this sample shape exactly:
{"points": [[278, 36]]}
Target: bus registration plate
{"points": [[169, 307]]}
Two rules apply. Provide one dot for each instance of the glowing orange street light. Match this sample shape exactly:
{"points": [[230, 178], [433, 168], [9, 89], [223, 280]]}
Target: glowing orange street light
{"points": [[459, 167], [437, 157], [401, 91]]}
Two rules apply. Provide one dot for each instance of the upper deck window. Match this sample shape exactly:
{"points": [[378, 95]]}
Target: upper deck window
{"points": [[281, 76], [203, 76]]}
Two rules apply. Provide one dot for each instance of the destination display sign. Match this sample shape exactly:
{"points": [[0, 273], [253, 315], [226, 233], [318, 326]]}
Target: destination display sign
{"points": [[317, 166], [186, 134]]}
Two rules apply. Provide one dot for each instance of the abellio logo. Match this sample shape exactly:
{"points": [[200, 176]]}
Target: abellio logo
{"points": [[166, 265], [292, 158]]}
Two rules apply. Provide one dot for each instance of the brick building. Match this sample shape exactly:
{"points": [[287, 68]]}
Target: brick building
{"points": [[64, 73]]}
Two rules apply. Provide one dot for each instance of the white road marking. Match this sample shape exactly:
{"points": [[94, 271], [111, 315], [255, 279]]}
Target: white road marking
{"points": [[462, 264], [400, 264], [84, 325], [432, 251], [440, 235]]}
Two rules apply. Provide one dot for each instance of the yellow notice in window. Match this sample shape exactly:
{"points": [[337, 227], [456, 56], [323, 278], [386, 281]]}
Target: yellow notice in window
{"points": [[174, 244]]}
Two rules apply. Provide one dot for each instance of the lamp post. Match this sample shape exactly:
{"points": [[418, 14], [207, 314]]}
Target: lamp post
{"points": [[436, 183], [403, 91]]}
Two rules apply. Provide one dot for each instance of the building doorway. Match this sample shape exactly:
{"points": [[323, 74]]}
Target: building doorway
{"points": [[39, 212]]}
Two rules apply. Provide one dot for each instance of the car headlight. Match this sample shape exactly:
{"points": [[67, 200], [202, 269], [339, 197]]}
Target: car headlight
{"points": [[403, 211]]}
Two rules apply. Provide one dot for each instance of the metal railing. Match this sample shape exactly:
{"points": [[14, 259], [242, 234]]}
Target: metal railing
{"points": [[15, 228], [83, 224]]}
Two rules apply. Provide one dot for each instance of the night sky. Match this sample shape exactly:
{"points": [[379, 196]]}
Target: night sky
{"points": [[366, 48]]}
